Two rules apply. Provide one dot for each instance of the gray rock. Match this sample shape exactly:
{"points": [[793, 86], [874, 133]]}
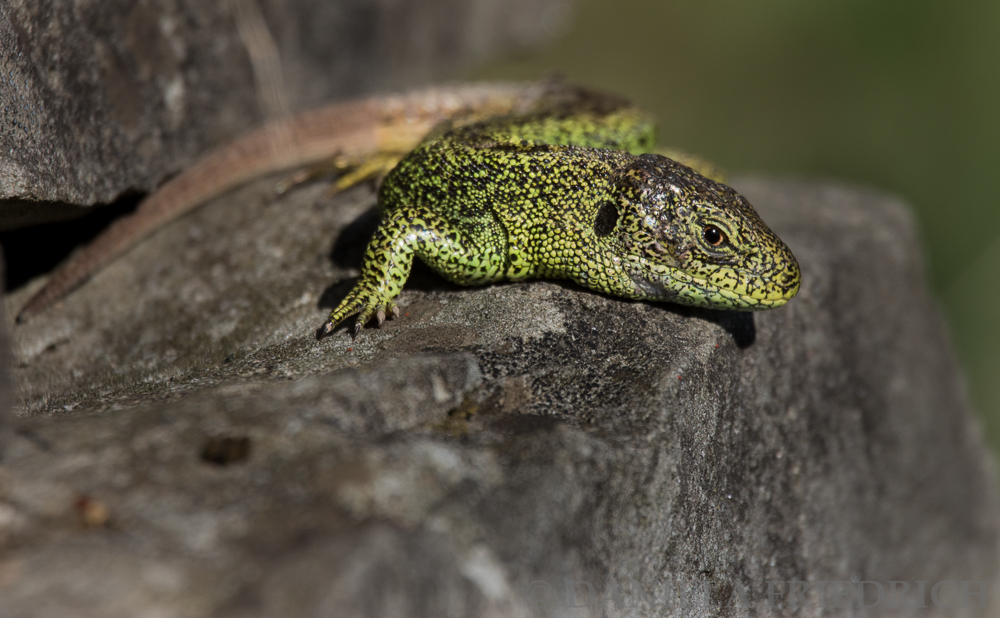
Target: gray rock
{"points": [[187, 447], [6, 384], [102, 99]]}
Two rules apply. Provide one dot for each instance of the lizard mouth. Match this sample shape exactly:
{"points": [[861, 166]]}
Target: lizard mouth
{"points": [[725, 288]]}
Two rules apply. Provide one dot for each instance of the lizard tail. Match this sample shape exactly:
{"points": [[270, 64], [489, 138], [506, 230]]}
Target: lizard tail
{"points": [[349, 129]]}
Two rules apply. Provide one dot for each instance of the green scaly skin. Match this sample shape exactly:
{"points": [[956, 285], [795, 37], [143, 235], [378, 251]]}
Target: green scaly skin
{"points": [[563, 191]]}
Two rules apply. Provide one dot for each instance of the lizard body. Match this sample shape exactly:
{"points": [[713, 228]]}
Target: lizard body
{"points": [[512, 182]]}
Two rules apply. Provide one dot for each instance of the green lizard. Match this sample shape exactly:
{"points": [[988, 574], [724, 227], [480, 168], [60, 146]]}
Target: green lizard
{"points": [[512, 182], [564, 191]]}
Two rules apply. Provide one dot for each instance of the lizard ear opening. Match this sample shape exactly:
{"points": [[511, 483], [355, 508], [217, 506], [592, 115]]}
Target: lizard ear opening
{"points": [[606, 220]]}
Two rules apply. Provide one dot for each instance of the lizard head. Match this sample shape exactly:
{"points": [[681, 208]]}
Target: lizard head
{"points": [[684, 238]]}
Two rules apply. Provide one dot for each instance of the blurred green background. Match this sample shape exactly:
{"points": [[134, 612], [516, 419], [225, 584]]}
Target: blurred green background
{"points": [[899, 95]]}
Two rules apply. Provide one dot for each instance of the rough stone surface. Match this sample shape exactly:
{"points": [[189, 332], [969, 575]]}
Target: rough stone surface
{"points": [[104, 98], [6, 383], [186, 447]]}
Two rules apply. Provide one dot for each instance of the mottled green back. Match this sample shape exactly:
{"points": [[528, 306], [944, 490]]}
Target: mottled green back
{"points": [[523, 169], [500, 184], [627, 129]]}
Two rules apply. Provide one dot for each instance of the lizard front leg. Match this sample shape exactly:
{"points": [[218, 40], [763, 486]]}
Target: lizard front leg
{"points": [[470, 257]]}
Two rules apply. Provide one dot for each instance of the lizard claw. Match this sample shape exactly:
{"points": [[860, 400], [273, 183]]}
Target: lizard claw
{"points": [[365, 304]]}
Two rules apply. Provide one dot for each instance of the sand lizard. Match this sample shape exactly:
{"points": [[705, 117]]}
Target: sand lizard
{"points": [[494, 182]]}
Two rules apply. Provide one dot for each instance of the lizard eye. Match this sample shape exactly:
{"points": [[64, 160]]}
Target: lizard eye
{"points": [[713, 235]]}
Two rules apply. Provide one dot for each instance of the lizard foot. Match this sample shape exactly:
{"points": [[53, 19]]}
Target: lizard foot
{"points": [[373, 167], [349, 171], [366, 304], [334, 166]]}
